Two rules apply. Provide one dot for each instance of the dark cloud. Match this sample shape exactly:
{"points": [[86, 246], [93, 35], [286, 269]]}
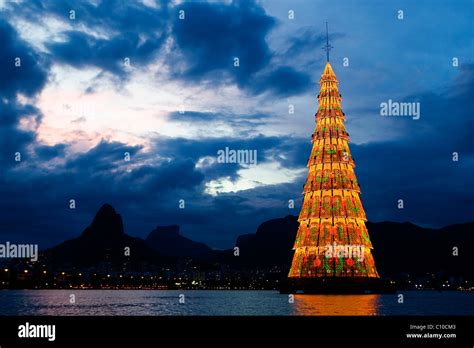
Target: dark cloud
{"points": [[197, 148], [107, 54], [419, 166], [91, 178], [27, 78], [11, 110], [103, 157], [205, 42], [168, 176], [13, 140], [282, 82], [243, 124], [146, 196], [111, 15], [212, 35], [133, 31], [195, 116], [49, 152], [246, 125]]}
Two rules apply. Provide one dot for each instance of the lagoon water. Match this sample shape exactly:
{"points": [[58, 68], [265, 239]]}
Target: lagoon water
{"points": [[218, 302]]}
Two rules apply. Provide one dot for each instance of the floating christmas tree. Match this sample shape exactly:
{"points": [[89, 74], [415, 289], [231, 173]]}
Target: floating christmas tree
{"points": [[332, 239]]}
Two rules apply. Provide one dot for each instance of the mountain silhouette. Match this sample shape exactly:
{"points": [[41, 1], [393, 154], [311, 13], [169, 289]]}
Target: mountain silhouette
{"points": [[408, 248], [107, 223], [271, 245], [103, 241], [399, 248], [168, 241]]}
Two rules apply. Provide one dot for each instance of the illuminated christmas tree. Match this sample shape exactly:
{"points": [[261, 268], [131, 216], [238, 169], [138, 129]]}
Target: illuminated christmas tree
{"points": [[332, 239]]}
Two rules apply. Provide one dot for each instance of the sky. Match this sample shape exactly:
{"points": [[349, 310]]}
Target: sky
{"points": [[87, 85]]}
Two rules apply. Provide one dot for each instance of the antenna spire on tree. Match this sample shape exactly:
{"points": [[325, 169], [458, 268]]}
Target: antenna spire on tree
{"points": [[327, 47]]}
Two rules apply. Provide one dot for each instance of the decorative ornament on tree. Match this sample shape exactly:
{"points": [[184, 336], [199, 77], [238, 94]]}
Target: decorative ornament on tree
{"points": [[316, 262]]}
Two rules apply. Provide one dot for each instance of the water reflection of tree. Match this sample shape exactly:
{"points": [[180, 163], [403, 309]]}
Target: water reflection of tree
{"points": [[336, 304]]}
